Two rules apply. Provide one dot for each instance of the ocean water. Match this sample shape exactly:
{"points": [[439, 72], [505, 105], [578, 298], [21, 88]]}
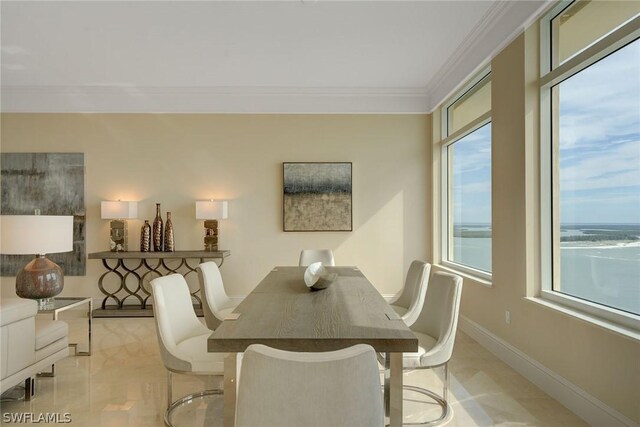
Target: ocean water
{"points": [[474, 252], [607, 274]]}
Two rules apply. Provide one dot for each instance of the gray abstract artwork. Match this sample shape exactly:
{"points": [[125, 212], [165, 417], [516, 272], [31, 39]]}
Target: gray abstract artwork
{"points": [[54, 184], [317, 197]]}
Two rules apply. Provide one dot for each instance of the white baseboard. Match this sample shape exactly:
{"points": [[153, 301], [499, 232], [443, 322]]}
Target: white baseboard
{"points": [[592, 410]]}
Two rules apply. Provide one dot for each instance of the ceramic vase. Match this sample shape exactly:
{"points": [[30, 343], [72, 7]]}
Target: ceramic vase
{"points": [[169, 242], [157, 230], [145, 237]]}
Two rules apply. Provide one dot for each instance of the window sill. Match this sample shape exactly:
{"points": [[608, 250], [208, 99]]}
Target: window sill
{"points": [[617, 329], [465, 275]]}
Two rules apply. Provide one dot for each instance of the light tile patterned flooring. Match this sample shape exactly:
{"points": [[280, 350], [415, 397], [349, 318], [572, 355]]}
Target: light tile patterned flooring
{"points": [[123, 384]]}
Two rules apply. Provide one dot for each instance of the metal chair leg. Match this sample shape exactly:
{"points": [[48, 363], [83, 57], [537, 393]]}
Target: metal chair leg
{"points": [[445, 387], [169, 388], [442, 401], [171, 405], [29, 388]]}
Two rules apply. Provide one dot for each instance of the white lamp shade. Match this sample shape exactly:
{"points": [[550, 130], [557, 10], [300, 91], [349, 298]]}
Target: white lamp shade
{"points": [[211, 209], [118, 210], [35, 234]]}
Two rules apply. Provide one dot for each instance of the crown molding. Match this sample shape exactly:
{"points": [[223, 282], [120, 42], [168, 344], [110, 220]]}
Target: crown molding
{"points": [[135, 99], [500, 25]]}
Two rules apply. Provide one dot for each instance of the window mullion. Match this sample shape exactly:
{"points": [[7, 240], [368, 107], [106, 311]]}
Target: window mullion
{"points": [[610, 43], [471, 127]]}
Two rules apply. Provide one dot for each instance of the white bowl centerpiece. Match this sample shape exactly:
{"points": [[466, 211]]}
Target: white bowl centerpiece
{"points": [[317, 277]]}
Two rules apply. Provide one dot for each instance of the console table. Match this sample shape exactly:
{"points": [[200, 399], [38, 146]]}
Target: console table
{"points": [[133, 270]]}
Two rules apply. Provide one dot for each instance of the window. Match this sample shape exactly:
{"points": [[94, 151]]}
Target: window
{"points": [[466, 190], [590, 152]]}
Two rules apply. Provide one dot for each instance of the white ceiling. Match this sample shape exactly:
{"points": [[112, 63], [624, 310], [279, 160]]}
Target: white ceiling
{"points": [[237, 56]]}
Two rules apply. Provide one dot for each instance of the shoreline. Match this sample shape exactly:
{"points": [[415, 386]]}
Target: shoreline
{"points": [[607, 245]]}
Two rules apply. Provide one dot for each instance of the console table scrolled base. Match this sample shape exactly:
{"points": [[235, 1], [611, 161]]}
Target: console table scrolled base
{"points": [[132, 298]]}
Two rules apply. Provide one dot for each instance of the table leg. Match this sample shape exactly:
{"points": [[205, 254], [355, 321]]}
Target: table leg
{"points": [[395, 389], [90, 319], [230, 388], [387, 383]]}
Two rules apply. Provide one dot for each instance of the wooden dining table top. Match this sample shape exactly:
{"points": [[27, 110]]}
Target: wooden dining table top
{"points": [[281, 312]]}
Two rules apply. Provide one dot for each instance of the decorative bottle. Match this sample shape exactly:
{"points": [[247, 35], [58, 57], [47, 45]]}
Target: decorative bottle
{"points": [[157, 230], [145, 237], [169, 242]]}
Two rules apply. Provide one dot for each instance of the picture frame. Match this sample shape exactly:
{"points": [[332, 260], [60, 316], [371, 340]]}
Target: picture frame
{"points": [[54, 184], [317, 196]]}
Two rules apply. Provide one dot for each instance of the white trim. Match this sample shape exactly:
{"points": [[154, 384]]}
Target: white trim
{"points": [[615, 40], [625, 34], [468, 271], [465, 92], [577, 400], [581, 315], [594, 309], [477, 276], [136, 99], [237, 299], [499, 21], [389, 297], [545, 34], [460, 58], [468, 45], [467, 129]]}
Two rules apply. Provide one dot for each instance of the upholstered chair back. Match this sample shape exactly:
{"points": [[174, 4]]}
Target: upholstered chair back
{"points": [[309, 256], [439, 316], [337, 388]]}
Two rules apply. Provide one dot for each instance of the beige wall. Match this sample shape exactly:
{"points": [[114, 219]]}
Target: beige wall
{"points": [[600, 362], [177, 159]]}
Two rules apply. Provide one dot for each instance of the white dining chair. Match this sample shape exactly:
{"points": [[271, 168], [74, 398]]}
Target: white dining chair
{"points": [[281, 388], [309, 256], [435, 329], [182, 338], [215, 302], [409, 304]]}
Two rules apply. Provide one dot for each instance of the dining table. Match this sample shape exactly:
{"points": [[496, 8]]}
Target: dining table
{"points": [[282, 312]]}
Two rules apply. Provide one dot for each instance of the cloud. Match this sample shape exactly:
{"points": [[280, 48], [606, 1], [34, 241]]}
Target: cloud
{"points": [[617, 166], [602, 102], [600, 130]]}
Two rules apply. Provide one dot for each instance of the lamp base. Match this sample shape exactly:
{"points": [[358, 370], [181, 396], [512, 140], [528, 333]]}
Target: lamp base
{"points": [[118, 238], [39, 279], [211, 235]]}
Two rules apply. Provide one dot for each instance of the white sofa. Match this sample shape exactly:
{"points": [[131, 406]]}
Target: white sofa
{"points": [[28, 345]]}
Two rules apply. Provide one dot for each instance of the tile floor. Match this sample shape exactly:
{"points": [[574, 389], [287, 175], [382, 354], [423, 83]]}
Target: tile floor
{"points": [[123, 384]]}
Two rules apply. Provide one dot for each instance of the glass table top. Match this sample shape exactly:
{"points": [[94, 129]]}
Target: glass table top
{"points": [[63, 303]]}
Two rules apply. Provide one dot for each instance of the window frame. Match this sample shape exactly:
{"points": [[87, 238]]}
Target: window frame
{"points": [[549, 171], [448, 139]]}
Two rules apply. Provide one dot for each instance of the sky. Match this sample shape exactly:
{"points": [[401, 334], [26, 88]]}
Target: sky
{"points": [[600, 141], [599, 148], [472, 177]]}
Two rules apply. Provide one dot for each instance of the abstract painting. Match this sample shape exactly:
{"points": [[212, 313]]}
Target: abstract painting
{"points": [[317, 197], [54, 184]]}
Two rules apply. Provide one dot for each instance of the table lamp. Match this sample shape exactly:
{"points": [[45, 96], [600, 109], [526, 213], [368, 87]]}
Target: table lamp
{"points": [[118, 212], [211, 211], [41, 279]]}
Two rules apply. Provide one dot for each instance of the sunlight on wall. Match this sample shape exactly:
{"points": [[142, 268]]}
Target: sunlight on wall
{"points": [[378, 239]]}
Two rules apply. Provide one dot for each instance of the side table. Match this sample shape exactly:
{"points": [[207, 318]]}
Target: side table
{"points": [[65, 303]]}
